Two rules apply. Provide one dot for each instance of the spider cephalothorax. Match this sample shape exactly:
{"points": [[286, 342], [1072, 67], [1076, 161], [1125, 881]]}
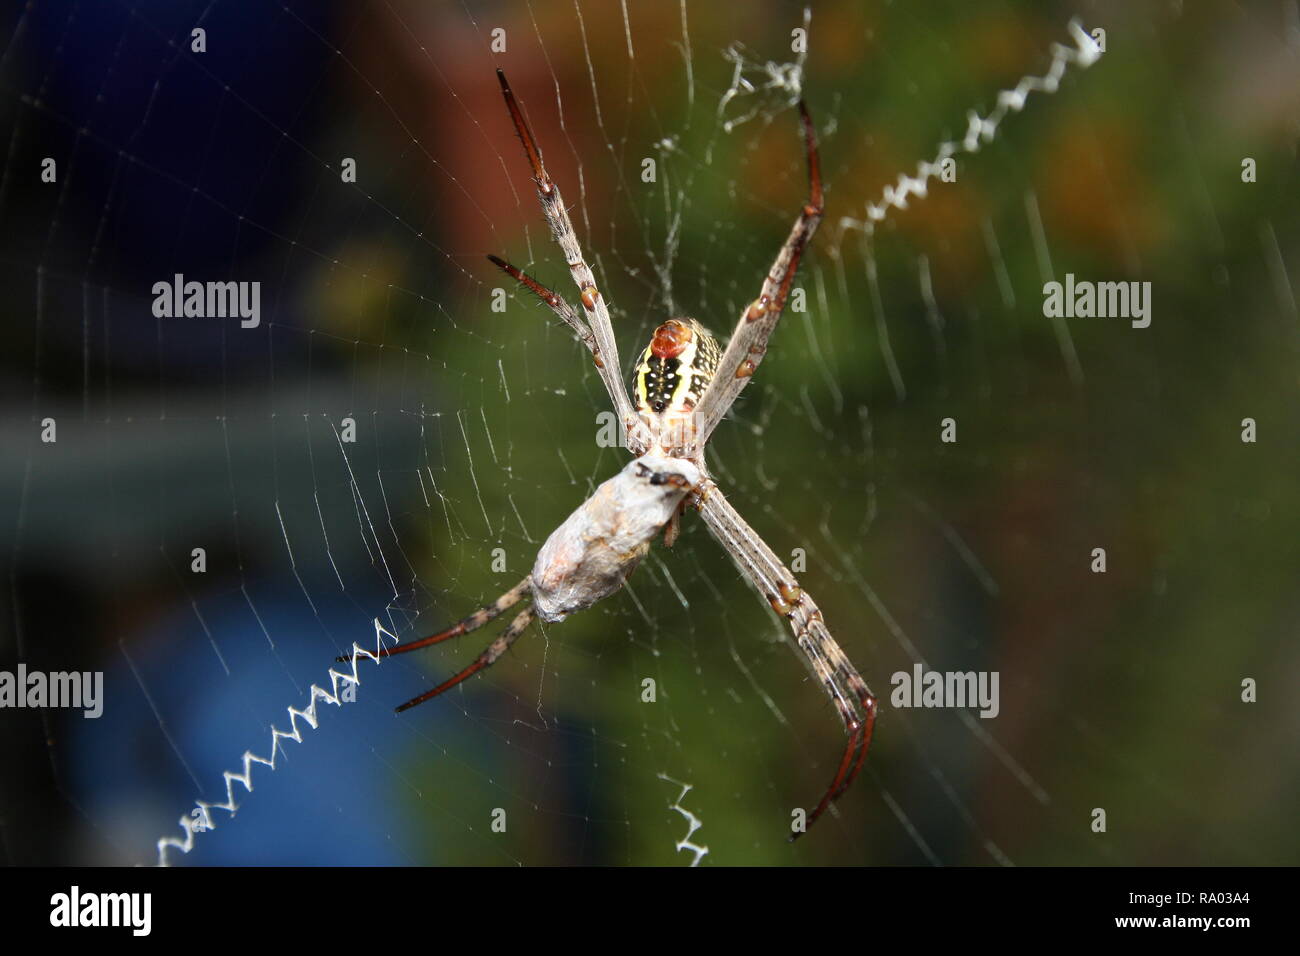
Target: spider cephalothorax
{"points": [[684, 385], [590, 555]]}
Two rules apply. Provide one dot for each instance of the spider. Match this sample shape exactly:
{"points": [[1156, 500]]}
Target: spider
{"points": [[684, 385]]}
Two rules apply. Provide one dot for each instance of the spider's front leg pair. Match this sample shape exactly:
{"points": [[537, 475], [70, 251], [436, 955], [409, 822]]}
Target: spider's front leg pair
{"points": [[465, 625], [772, 579]]}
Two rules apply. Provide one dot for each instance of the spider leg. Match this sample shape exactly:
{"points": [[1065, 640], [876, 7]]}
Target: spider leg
{"points": [[556, 303], [486, 659], [471, 623], [766, 572], [748, 342], [674, 526], [860, 730], [601, 328]]}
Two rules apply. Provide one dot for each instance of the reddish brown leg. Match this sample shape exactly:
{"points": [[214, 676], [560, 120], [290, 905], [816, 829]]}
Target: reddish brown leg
{"points": [[485, 659], [859, 742], [472, 623], [556, 303], [674, 526]]}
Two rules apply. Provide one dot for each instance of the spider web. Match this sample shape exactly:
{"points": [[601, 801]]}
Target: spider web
{"points": [[385, 451]]}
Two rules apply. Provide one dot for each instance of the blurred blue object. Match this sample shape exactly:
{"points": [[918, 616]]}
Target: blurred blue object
{"points": [[171, 712]]}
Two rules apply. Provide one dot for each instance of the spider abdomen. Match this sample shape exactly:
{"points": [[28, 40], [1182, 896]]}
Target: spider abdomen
{"points": [[590, 555], [675, 368]]}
